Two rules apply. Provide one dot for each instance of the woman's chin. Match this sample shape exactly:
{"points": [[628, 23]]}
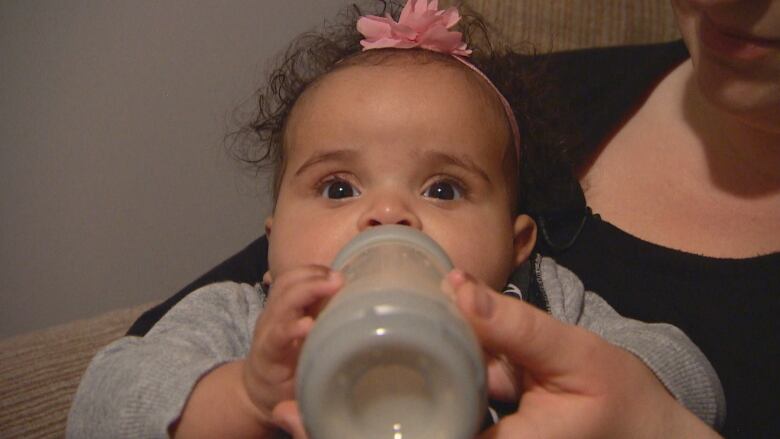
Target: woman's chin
{"points": [[740, 93]]}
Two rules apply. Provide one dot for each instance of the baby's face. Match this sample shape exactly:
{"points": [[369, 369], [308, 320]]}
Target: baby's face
{"points": [[417, 145]]}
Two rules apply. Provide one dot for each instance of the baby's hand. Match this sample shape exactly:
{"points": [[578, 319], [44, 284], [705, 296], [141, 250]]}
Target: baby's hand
{"points": [[294, 300]]}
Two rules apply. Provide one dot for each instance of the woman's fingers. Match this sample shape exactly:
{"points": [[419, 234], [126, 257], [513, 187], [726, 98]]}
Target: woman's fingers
{"points": [[503, 379], [539, 425]]}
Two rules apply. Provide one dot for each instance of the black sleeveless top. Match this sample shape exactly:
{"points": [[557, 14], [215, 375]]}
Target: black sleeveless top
{"points": [[729, 307]]}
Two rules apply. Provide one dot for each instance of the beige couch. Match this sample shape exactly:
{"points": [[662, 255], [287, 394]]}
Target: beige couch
{"points": [[39, 371]]}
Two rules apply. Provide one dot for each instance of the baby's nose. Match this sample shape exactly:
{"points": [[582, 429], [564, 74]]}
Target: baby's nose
{"points": [[389, 209]]}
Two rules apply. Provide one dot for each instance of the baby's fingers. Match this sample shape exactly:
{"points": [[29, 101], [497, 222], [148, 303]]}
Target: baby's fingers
{"points": [[287, 278], [281, 342], [286, 319], [503, 380], [288, 418], [298, 290]]}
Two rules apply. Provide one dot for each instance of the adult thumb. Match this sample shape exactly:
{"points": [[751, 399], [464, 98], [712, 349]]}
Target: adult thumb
{"points": [[526, 336]]}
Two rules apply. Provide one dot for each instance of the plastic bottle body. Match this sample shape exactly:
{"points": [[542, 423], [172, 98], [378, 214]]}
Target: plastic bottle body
{"points": [[390, 356]]}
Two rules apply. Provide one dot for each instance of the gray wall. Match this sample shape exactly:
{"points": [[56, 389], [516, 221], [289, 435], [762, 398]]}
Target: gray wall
{"points": [[115, 188]]}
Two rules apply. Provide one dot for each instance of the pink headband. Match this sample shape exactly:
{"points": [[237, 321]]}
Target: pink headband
{"points": [[422, 25]]}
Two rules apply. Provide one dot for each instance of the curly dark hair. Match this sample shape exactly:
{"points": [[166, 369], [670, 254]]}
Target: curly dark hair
{"points": [[518, 76]]}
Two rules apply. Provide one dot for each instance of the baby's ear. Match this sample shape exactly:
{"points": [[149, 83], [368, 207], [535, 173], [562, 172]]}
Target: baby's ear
{"points": [[268, 278], [268, 223], [525, 238]]}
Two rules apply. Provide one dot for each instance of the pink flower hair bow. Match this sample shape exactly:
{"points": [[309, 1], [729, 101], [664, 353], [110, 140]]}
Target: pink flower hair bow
{"points": [[421, 25]]}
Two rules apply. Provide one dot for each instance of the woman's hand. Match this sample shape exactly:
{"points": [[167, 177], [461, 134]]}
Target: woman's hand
{"points": [[572, 383]]}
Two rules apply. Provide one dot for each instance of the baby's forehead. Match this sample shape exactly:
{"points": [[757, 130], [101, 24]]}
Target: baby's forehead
{"points": [[392, 85], [416, 70], [410, 92]]}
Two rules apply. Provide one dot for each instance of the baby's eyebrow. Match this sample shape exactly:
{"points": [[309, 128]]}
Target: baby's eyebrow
{"points": [[326, 156], [439, 157]]}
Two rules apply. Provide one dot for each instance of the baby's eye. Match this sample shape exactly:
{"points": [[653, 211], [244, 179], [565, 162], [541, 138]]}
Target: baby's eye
{"points": [[444, 190], [337, 189]]}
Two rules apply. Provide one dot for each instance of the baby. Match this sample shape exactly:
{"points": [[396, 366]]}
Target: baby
{"points": [[404, 132]]}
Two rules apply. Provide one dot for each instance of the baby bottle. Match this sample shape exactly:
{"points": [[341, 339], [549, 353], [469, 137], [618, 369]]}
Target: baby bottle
{"points": [[390, 356]]}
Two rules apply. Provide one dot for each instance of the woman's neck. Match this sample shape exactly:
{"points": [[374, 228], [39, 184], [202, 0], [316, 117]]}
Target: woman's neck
{"points": [[743, 158], [683, 175]]}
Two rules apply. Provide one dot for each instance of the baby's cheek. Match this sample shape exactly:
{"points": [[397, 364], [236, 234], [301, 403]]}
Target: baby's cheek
{"points": [[296, 255], [493, 268]]}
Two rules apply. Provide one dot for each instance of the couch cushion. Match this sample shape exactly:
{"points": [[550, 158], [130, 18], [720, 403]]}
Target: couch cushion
{"points": [[39, 371], [570, 24]]}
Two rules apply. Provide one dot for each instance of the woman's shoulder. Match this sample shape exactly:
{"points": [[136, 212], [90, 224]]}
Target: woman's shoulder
{"points": [[589, 69], [587, 94], [601, 86]]}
